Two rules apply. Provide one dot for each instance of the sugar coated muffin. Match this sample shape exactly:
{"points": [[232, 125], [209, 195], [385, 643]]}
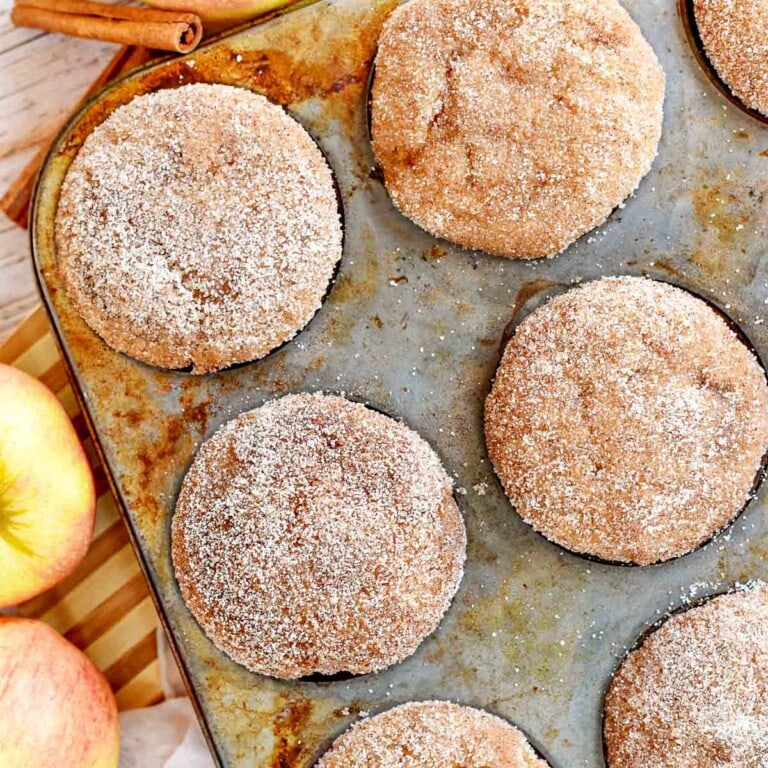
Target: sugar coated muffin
{"points": [[627, 420], [198, 227], [514, 126], [695, 693], [432, 734], [314, 535], [735, 38]]}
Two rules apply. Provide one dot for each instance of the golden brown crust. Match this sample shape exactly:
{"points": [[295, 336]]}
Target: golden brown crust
{"points": [[198, 227], [432, 734], [314, 535], [514, 126], [695, 694], [627, 421], [735, 37]]}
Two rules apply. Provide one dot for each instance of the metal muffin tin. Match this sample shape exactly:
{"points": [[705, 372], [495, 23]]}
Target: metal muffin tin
{"points": [[413, 326]]}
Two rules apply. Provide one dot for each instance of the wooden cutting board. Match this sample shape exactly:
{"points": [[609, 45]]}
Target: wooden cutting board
{"points": [[104, 607]]}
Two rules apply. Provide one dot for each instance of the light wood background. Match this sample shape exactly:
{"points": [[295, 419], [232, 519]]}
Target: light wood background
{"points": [[104, 607], [42, 77]]}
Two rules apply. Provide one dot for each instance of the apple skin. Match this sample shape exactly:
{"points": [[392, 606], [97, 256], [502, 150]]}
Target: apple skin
{"points": [[47, 498], [221, 12], [56, 709]]}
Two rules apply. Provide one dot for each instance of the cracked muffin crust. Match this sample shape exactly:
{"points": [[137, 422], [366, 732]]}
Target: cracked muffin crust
{"points": [[429, 734], [627, 421], [735, 38], [514, 126], [695, 694], [198, 226], [315, 535]]}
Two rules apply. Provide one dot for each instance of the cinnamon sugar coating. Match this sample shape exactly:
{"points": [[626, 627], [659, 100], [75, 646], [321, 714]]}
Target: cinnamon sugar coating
{"points": [[514, 126], [627, 421], [198, 226], [695, 694], [314, 535], [432, 734], [735, 38]]}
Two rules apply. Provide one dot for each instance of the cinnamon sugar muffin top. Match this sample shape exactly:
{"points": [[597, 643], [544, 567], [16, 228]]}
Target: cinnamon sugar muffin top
{"points": [[198, 226], [514, 126], [314, 535], [627, 420], [695, 694], [735, 38], [432, 734]]}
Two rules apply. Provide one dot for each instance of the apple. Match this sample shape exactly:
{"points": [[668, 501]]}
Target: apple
{"points": [[47, 499], [221, 12], [56, 709]]}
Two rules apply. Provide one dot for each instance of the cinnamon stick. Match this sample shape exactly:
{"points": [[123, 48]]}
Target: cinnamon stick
{"points": [[163, 30]]}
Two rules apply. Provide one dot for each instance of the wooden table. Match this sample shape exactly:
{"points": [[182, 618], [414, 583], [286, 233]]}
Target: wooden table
{"points": [[104, 607], [42, 77]]}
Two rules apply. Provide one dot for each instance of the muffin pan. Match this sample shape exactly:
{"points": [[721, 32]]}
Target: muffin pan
{"points": [[413, 326]]}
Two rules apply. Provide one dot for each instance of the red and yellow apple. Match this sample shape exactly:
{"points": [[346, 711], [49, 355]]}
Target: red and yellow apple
{"points": [[47, 498], [56, 709]]}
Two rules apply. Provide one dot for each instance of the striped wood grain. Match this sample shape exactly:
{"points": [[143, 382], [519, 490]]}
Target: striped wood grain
{"points": [[104, 607]]}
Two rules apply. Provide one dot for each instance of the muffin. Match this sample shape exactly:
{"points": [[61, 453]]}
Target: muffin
{"points": [[429, 734], [695, 694], [198, 227], [627, 421], [514, 126], [735, 38], [314, 535]]}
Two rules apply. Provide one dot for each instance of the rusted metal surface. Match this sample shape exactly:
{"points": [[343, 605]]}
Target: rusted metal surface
{"points": [[414, 325]]}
